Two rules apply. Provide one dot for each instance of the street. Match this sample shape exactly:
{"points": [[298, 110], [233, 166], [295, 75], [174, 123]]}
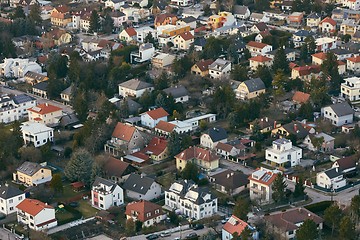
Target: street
{"points": [[6, 235]]}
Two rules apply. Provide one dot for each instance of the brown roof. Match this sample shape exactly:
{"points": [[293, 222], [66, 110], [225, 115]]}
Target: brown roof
{"points": [[186, 36], [301, 97], [123, 131], [141, 209], [56, 33], [320, 55], [287, 221], [203, 65], [118, 168], [354, 59], [62, 8], [44, 108], [260, 58], [161, 17], [165, 126], [157, 113], [197, 153], [223, 146], [346, 162], [32, 206], [329, 20], [231, 179], [235, 225], [130, 31], [256, 44], [306, 70]]}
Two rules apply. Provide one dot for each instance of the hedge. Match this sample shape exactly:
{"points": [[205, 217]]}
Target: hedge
{"points": [[319, 207]]}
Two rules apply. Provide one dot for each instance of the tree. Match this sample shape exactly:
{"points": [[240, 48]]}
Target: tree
{"points": [[79, 167], [299, 188], [355, 207], [150, 39], [130, 227], [280, 61], [162, 81], [174, 144], [207, 10], [306, 111], [261, 5], [242, 208], [347, 229], [232, 53], [317, 142], [246, 234], [239, 73], [94, 22], [307, 231], [304, 53], [280, 83], [223, 101], [279, 186], [35, 14], [190, 172], [182, 65], [30, 154], [56, 183], [19, 13], [330, 72], [311, 45], [108, 24], [263, 72], [331, 216], [345, 38]]}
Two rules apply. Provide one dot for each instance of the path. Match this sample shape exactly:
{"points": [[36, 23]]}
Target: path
{"points": [[68, 225]]}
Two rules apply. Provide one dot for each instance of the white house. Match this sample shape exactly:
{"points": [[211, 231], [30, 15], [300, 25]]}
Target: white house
{"points": [[327, 145], [351, 4], [236, 225], [140, 187], [10, 197], [350, 89], [283, 154], [261, 182], [17, 67], [181, 3], [114, 4], [143, 32], [187, 198], [325, 43], [145, 53], [327, 25], [15, 108], [241, 12], [195, 122], [106, 194], [338, 114], [45, 113], [37, 134], [212, 137], [300, 36], [134, 88], [220, 68], [153, 117], [353, 64], [36, 215], [128, 35], [331, 179], [179, 93], [256, 48]]}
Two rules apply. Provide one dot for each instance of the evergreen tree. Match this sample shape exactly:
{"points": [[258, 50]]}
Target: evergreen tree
{"points": [[232, 54], [150, 39], [331, 216], [304, 53], [190, 172], [311, 45], [19, 13], [280, 61], [331, 72], [307, 231], [35, 13], [280, 83], [56, 183], [355, 207], [299, 188], [263, 72], [108, 24], [239, 73], [242, 208], [94, 22], [347, 229], [223, 101], [174, 144], [279, 186], [79, 168]]}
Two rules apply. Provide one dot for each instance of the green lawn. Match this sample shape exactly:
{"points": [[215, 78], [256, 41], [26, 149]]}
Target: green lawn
{"points": [[86, 209], [64, 216], [67, 193]]}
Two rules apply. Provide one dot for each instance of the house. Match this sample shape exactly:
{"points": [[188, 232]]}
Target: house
{"points": [[327, 25], [341, 54], [289, 52], [353, 64], [33, 78], [45, 113], [162, 60], [259, 27], [114, 4], [320, 57], [221, 19], [331, 179], [295, 18], [32, 174], [143, 32], [356, 36], [40, 89], [118, 17], [256, 48], [313, 20], [338, 114], [157, 149], [106, 194], [249, 89], [347, 165], [229, 182], [300, 98], [36, 134], [189, 21], [10, 197], [293, 128], [66, 94], [299, 37], [236, 226], [134, 88], [350, 89], [220, 68], [285, 224], [117, 170], [17, 67], [60, 16], [213, 137], [235, 150], [152, 117], [282, 154], [166, 128], [261, 182], [36, 215], [325, 43], [305, 73], [264, 124], [348, 26], [326, 142], [199, 43], [261, 35], [145, 53], [141, 187], [203, 158], [352, 4], [125, 139], [58, 36], [183, 41], [181, 3], [179, 93], [201, 68], [260, 60], [128, 35], [241, 12], [259, 17], [15, 108], [187, 198], [165, 19], [146, 212]]}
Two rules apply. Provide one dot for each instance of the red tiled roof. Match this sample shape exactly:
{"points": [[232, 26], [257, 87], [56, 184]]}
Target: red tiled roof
{"points": [[165, 126], [292, 65], [354, 59], [141, 209], [157, 113], [320, 55], [123, 131], [257, 44], [306, 70], [130, 31], [340, 63], [62, 8], [32, 206], [235, 225], [156, 146], [260, 58], [301, 97], [44, 108], [186, 36], [47, 222], [203, 65], [77, 184], [329, 20], [197, 153], [161, 17]]}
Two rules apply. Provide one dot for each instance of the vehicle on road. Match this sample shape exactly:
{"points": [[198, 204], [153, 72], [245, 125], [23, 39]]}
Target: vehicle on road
{"points": [[165, 234], [198, 227], [152, 236], [191, 236]]}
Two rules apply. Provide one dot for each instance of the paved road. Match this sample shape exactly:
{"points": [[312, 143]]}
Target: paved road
{"points": [[236, 166], [6, 235]]}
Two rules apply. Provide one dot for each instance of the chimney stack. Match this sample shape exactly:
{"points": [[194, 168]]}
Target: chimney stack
{"points": [[266, 119], [295, 127], [274, 124]]}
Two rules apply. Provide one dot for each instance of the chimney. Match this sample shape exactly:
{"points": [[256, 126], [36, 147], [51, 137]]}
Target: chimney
{"points": [[274, 124], [228, 175], [266, 119], [295, 127], [46, 104], [231, 174], [337, 169]]}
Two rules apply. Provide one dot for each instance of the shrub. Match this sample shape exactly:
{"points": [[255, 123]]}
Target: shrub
{"points": [[319, 207]]}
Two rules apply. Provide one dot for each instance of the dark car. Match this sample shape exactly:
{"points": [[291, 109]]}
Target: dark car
{"points": [[191, 236], [152, 236], [198, 227]]}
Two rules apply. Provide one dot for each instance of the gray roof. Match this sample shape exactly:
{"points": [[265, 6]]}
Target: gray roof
{"points": [[135, 84], [7, 191], [29, 168], [339, 51], [22, 98], [297, 129], [286, 50], [200, 41], [239, 9], [189, 185], [138, 183], [177, 91], [254, 84], [188, 19], [69, 119], [356, 34], [41, 86], [333, 173], [217, 134], [342, 109], [231, 179], [67, 91], [101, 181], [313, 16], [303, 33]]}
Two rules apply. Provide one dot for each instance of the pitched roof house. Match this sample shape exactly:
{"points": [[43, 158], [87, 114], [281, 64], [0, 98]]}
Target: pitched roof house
{"points": [[134, 88], [153, 117], [235, 225], [338, 114], [146, 212], [117, 170], [10, 197], [229, 181], [141, 187], [250, 89], [106, 193], [32, 174], [201, 67], [205, 159], [212, 137]]}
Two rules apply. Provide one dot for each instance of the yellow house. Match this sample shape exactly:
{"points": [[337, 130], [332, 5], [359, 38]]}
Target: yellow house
{"points": [[215, 21], [203, 158], [45, 113], [201, 68], [260, 60], [60, 16], [264, 124], [183, 41], [172, 31], [249, 89], [32, 174], [348, 26]]}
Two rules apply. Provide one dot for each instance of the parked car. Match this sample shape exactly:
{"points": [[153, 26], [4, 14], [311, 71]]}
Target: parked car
{"points": [[198, 227], [152, 236], [191, 235], [165, 234]]}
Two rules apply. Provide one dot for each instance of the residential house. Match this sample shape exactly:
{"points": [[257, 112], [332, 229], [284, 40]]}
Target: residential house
{"points": [[285, 224], [338, 114], [212, 137], [45, 113], [66, 95], [157, 149], [241, 12], [191, 200], [259, 17], [125, 139], [261, 35], [140, 187], [220, 20], [40, 89], [290, 54], [36, 134], [114, 4], [183, 41], [327, 25], [325, 43], [300, 98], [134, 88], [348, 26], [264, 124], [234, 150], [118, 17], [10, 197], [15, 108], [106, 194], [350, 89], [33, 78], [159, 7], [17, 67], [259, 27], [189, 21], [128, 35], [282, 154], [152, 117], [319, 58], [162, 60], [347, 165], [32, 174], [353, 64], [356, 36], [293, 128], [145, 53], [305, 73], [261, 182], [117, 170], [235, 226], [181, 3], [143, 32], [203, 158], [299, 37], [331, 179], [251, 88], [146, 212], [58, 36], [166, 128], [229, 182], [60, 16], [36, 215], [220, 68], [341, 54], [199, 43], [352, 4], [313, 20], [179, 93], [201, 68], [165, 19], [295, 18], [260, 60], [256, 48], [319, 142]]}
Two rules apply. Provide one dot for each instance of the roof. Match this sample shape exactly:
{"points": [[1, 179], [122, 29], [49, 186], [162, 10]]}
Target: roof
{"points": [[296, 128], [99, 182], [217, 134], [7, 191], [320, 55], [188, 19], [200, 41], [313, 15], [254, 84], [186, 36], [118, 168], [44, 108], [301, 97], [203, 65], [130, 31], [165, 126], [41, 86], [161, 17], [260, 58], [256, 44], [261, 26], [32, 206], [37, 76], [346, 163], [156, 146], [157, 113], [143, 210], [138, 183], [67, 91], [197, 153], [342, 109], [29, 168], [177, 91], [230, 179], [306, 70], [303, 33], [240, 9], [235, 225], [187, 189], [219, 64], [22, 98], [123, 131], [288, 221], [263, 177], [333, 172], [328, 20], [354, 59], [135, 84]]}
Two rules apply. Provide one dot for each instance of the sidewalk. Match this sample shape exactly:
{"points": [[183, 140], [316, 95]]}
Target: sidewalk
{"points": [[171, 230], [68, 225]]}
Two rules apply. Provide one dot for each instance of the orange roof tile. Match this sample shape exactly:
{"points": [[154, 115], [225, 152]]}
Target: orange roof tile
{"points": [[123, 131], [165, 126], [157, 113], [301, 97], [329, 20], [141, 209], [44, 108], [186, 36], [198, 153], [203, 65], [156, 146], [32, 206], [340, 63], [236, 225], [354, 59], [130, 31], [257, 44], [260, 58], [320, 55]]}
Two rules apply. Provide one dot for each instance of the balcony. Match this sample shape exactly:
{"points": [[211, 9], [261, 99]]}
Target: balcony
{"points": [[254, 189]]}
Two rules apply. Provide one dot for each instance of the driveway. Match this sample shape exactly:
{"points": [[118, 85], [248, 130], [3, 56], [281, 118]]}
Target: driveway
{"points": [[6, 235], [236, 166]]}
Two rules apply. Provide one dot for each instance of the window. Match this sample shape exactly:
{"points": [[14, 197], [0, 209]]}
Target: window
{"points": [[11, 201], [20, 198], [11, 208]]}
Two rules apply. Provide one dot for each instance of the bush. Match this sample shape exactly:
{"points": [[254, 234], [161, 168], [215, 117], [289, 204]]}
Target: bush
{"points": [[319, 207]]}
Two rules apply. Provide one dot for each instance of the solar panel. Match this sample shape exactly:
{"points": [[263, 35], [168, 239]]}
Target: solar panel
{"points": [[36, 109], [266, 177]]}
